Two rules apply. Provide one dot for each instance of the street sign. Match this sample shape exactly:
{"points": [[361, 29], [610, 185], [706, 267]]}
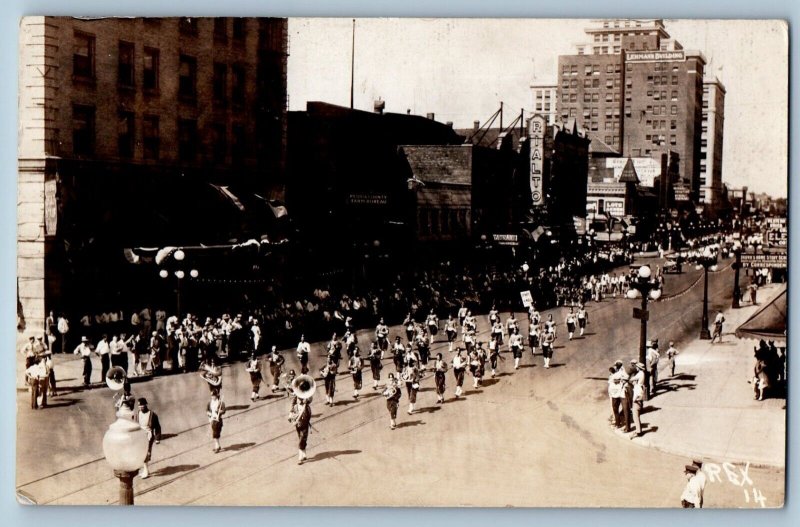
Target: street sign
{"points": [[527, 298], [759, 261], [641, 315]]}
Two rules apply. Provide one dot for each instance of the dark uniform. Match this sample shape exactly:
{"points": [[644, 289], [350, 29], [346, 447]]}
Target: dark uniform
{"points": [[375, 365], [302, 425]]}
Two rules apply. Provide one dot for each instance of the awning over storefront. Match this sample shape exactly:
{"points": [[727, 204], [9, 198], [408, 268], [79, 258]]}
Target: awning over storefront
{"points": [[768, 323]]}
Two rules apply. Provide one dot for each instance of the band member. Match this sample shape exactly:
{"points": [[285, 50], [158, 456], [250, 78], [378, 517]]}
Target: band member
{"points": [[350, 344], [570, 322], [84, 349], [462, 314], [212, 373], [515, 343], [512, 323], [301, 418], [494, 316], [470, 324], [433, 325], [289, 393], [533, 316], [276, 361], [410, 376], [583, 318], [450, 331], [534, 336], [399, 355], [215, 409], [51, 378], [303, 349], [156, 351], [459, 368], [439, 378], [355, 370], [477, 360], [125, 399], [38, 377], [375, 365], [253, 367], [423, 349], [671, 353], [497, 331], [469, 340], [148, 421], [382, 336], [550, 325], [329, 376], [547, 347], [392, 394], [494, 354], [718, 321], [335, 349], [411, 327]]}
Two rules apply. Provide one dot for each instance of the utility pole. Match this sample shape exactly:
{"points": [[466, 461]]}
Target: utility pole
{"points": [[352, 63]]}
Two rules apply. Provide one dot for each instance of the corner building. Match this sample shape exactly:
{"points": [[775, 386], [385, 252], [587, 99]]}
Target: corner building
{"points": [[117, 115], [638, 91]]}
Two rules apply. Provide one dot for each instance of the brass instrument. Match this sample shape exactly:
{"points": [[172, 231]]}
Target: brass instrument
{"points": [[304, 386], [212, 375]]}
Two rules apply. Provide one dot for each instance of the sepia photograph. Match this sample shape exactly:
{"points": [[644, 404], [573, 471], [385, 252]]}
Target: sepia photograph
{"points": [[402, 262]]}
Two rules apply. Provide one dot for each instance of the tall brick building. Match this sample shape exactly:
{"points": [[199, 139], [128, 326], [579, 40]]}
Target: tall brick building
{"points": [[711, 144], [119, 116], [637, 90]]}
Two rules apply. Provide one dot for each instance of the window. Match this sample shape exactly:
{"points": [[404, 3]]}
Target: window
{"points": [[125, 64], [237, 143], [239, 29], [125, 134], [627, 111], [150, 137], [664, 80], [673, 110], [673, 125], [673, 139], [595, 97], [221, 29], [608, 139], [595, 69], [83, 56], [587, 70], [188, 25], [656, 80], [610, 68], [649, 109], [663, 109], [187, 139], [587, 83], [607, 126], [565, 84], [596, 50], [238, 84], [539, 106], [565, 69], [220, 83], [609, 97], [574, 69], [628, 83], [649, 78], [587, 97], [605, 50], [150, 69], [595, 83], [82, 129], [597, 37], [573, 112], [674, 95], [219, 142], [573, 97], [656, 110], [595, 112], [564, 97], [573, 83], [649, 93], [187, 86], [594, 126], [609, 83]]}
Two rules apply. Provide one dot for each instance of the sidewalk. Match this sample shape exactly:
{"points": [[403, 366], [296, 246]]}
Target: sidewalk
{"points": [[707, 410]]}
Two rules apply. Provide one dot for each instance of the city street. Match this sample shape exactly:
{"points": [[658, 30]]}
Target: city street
{"points": [[532, 437]]}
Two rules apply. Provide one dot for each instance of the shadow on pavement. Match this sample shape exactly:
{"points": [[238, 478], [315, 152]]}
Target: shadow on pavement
{"points": [[168, 471], [164, 437], [684, 377], [238, 446], [333, 453], [239, 407], [489, 382], [410, 423], [62, 402], [429, 410]]}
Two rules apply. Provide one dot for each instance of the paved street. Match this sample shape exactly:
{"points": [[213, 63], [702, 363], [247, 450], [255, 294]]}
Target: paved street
{"points": [[531, 437]]}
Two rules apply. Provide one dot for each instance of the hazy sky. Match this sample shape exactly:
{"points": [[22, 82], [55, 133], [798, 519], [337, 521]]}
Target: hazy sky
{"points": [[460, 69]]}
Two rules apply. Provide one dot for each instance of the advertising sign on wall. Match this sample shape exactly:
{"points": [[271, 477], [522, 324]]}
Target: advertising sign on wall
{"points": [[536, 134]]}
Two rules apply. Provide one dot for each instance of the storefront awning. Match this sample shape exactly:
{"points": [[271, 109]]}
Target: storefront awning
{"points": [[768, 323]]}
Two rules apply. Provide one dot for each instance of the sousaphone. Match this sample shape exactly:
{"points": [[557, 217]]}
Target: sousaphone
{"points": [[304, 386], [115, 378]]}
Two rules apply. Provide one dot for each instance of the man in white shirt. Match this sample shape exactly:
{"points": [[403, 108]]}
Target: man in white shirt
{"points": [[637, 380], [303, 349], [104, 350], [692, 497], [652, 357], [84, 349]]}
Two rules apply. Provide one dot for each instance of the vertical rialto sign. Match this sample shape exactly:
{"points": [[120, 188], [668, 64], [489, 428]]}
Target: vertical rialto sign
{"points": [[536, 134]]}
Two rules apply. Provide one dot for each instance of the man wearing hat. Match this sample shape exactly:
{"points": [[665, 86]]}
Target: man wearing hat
{"points": [[84, 349], [38, 377], [637, 382], [355, 366], [148, 421], [652, 357], [692, 497], [303, 349]]}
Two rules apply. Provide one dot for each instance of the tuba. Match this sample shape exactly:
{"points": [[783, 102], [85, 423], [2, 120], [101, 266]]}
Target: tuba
{"points": [[212, 375], [115, 378], [390, 391], [304, 386]]}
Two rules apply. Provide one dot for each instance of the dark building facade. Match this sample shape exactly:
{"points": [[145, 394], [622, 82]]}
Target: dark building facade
{"points": [[125, 124]]}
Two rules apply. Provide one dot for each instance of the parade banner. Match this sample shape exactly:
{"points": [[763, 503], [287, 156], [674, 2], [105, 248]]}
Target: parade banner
{"points": [[527, 298]]}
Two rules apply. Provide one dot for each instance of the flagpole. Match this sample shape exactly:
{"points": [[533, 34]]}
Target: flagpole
{"points": [[352, 62]]}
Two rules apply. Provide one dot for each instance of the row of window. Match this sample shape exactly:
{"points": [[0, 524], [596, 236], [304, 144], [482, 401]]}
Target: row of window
{"points": [[546, 107], [84, 133], [662, 79], [188, 26], [661, 139], [83, 68], [434, 222]]}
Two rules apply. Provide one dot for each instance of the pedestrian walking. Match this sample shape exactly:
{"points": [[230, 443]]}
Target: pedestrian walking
{"points": [[718, 321], [450, 331], [300, 417], [459, 369], [671, 354], [399, 352], [410, 376], [328, 373], [652, 357], [303, 349], [374, 358], [547, 347], [637, 382], [583, 318], [355, 366], [515, 343], [148, 421], [570, 322], [84, 349], [276, 361], [253, 367], [691, 498]]}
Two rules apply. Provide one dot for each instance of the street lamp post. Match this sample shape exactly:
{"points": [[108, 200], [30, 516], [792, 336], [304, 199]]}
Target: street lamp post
{"points": [[125, 449], [737, 292], [707, 261], [643, 285], [180, 275]]}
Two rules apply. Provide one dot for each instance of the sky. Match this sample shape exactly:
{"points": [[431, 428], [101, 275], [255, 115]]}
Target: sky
{"points": [[460, 70]]}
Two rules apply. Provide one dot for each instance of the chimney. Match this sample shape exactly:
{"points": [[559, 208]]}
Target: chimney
{"points": [[476, 125], [430, 116], [408, 111], [449, 124], [378, 106]]}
